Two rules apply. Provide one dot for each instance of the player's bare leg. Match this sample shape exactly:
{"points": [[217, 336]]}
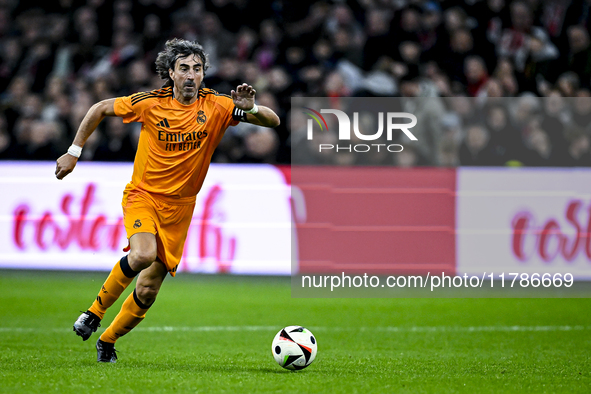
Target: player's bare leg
{"points": [[149, 282], [143, 251]]}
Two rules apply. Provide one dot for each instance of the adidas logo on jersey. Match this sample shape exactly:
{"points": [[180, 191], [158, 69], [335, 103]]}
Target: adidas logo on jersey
{"points": [[163, 123]]}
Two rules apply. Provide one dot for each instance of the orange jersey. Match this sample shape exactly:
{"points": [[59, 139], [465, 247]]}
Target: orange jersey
{"points": [[176, 141]]}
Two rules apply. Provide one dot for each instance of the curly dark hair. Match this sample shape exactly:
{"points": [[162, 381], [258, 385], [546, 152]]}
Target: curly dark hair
{"points": [[175, 49]]}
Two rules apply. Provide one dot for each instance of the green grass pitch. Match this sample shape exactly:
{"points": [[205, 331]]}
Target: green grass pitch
{"points": [[210, 334]]}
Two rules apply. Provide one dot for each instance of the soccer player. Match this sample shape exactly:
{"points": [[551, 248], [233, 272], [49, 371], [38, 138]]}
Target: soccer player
{"points": [[182, 124]]}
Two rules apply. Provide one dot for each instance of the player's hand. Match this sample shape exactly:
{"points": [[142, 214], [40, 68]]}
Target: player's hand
{"points": [[65, 165], [243, 97]]}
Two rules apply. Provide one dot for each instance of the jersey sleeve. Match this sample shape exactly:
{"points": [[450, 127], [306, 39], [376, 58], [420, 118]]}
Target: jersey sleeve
{"points": [[127, 108], [231, 119]]}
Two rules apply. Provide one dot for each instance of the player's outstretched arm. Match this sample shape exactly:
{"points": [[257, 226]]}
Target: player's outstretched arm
{"points": [[94, 116], [243, 98]]}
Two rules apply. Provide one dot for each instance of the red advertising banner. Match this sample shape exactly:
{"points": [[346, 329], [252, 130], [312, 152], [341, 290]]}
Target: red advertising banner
{"points": [[378, 220]]}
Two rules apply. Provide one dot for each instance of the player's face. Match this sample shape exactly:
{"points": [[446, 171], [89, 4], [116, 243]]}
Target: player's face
{"points": [[187, 76]]}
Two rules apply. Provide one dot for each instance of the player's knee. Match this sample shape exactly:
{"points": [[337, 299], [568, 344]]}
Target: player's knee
{"points": [[146, 294], [141, 258]]}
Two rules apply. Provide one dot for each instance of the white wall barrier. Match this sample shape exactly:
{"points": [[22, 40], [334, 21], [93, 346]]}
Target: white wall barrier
{"points": [[241, 223], [507, 220], [527, 220]]}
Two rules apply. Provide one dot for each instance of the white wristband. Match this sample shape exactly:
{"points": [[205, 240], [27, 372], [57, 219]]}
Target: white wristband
{"points": [[75, 150], [253, 110]]}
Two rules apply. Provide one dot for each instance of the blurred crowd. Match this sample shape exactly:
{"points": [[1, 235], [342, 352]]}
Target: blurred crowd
{"points": [[451, 131], [452, 59]]}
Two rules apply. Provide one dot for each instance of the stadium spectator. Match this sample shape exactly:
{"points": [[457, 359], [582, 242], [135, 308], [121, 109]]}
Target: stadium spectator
{"points": [[581, 115], [580, 53], [553, 123], [421, 101], [516, 39], [259, 147], [541, 151], [378, 41], [118, 144], [475, 150], [476, 75], [579, 150], [506, 143]]}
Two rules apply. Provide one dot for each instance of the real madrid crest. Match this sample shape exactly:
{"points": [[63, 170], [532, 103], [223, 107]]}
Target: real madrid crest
{"points": [[201, 118]]}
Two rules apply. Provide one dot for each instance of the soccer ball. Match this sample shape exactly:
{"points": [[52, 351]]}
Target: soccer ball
{"points": [[294, 347]]}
